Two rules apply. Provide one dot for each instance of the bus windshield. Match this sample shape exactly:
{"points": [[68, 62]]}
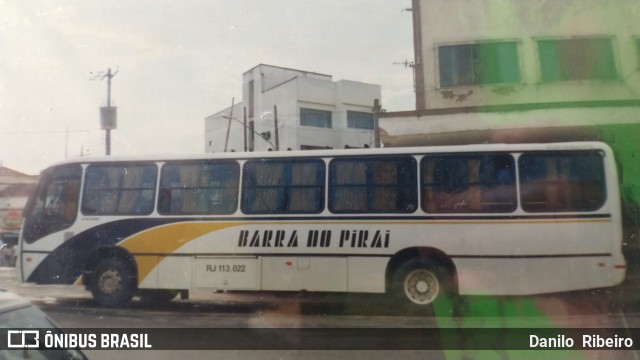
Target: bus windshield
{"points": [[55, 203]]}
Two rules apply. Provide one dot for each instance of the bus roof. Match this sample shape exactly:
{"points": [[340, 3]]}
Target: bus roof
{"points": [[587, 145]]}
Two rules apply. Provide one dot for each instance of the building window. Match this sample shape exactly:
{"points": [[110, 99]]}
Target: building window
{"points": [[477, 64], [576, 59], [359, 120], [315, 118]]}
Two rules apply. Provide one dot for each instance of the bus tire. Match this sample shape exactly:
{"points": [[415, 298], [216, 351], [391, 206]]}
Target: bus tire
{"points": [[114, 282], [157, 297], [418, 284]]}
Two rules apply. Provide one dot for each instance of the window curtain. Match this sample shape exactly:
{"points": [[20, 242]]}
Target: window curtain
{"points": [[268, 177], [186, 199], [304, 194], [131, 190], [350, 192], [428, 193], [111, 191], [385, 189]]}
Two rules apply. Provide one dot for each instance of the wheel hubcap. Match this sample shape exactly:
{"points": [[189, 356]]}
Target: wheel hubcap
{"points": [[110, 282], [421, 286]]}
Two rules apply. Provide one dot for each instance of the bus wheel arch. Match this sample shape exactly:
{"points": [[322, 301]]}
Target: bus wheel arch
{"points": [[112, 276], [416, 277]]}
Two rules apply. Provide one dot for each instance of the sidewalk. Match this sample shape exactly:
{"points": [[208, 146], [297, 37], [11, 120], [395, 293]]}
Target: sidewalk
{"points": [[41, 293]]}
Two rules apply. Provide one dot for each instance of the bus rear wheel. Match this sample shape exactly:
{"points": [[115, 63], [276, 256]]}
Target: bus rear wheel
{"points": [[418, 284], [113, 282]]}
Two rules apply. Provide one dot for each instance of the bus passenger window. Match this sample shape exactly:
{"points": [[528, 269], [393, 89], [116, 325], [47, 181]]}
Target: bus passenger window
{"points": [[119, 189], [468, 183], [283, 186], [373, 185], [199, 188], [552, 182]]}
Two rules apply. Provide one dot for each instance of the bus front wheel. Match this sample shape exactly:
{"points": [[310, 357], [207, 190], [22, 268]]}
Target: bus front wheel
{"points": [[419, 284], [113, 282]]}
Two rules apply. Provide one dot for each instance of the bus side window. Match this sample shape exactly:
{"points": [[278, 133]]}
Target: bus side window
{"points": [[562, 182], [283, 186], [119, 189], [359, 185], [468, 183], [199, 188]]}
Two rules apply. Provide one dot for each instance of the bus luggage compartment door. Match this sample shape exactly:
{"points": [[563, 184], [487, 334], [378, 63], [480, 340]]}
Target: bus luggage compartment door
{"points": [[227, 273]]}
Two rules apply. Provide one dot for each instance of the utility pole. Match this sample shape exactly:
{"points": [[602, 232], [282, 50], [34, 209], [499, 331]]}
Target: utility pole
{"points": [[376, 127], [108, 114], [275, 124], [418, 64], [226, 140], [244, 124]]}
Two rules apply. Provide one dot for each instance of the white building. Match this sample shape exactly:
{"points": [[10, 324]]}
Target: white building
{"points": [[312, 111]]}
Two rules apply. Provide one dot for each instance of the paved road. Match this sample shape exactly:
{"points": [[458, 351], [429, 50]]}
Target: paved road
{"points": [[576, 309], [72, 307]]}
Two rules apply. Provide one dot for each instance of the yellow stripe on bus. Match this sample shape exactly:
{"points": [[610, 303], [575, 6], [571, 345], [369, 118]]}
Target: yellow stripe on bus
{"points": [[166, 240]]}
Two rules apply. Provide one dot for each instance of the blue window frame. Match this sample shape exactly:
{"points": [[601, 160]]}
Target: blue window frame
{"points": [[373, 185], [552, 182], [119, 189], [283, 186], [199, 188], [463, 183]]}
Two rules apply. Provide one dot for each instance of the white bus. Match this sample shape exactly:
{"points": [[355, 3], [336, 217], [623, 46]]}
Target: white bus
{"points": [[416, 223]]}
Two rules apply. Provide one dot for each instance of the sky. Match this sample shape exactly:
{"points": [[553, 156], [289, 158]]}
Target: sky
{"points": [[177, 62]]}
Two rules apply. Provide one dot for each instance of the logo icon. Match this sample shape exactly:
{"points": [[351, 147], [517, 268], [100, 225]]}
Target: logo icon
{"points": [[23, 339]]}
